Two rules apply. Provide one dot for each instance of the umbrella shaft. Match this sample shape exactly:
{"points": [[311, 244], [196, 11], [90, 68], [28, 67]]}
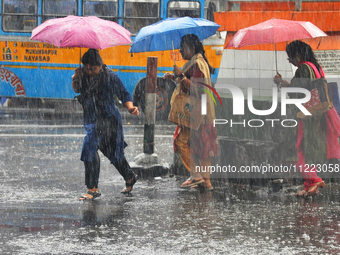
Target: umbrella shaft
{"points": [[275, 57]]}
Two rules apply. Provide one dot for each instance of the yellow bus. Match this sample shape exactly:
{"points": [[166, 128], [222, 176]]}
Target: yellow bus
{"points": [[42, 71]]}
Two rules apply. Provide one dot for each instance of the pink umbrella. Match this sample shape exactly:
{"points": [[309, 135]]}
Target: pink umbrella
{"points": [[78, 31], [274, 31]]}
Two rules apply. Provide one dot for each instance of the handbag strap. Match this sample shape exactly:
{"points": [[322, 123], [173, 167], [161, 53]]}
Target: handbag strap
{"points": [[192, 88], [316, 71]]}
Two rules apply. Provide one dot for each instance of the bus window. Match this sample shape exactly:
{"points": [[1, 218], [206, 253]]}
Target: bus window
{"points": [[140, 13], [58, 8], [186, 8], [19, 15], [102, 9]]}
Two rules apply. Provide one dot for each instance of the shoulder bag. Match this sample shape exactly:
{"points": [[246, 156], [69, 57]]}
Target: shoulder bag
{"points": [[186, 111], [320, 101]]}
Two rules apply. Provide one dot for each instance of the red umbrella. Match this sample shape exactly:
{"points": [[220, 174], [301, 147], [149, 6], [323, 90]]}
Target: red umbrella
{"points": [[274, 31]]}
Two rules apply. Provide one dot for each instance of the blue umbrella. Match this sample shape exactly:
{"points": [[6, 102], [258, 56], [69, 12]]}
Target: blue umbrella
{"points": [[167, 34]]}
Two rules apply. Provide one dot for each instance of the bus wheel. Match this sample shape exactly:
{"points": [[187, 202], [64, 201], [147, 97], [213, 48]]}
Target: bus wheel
{"points": [[164, 91]]}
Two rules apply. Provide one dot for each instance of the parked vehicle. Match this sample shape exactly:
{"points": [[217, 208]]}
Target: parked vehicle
{"points": [[34, 70]]}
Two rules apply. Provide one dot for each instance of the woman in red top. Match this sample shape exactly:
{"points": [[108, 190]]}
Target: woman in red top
{"points": [[317, 138]]}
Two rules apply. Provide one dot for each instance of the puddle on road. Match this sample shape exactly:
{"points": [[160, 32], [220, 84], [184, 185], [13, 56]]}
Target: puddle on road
{"points": [[41, 179], [162, 218]]}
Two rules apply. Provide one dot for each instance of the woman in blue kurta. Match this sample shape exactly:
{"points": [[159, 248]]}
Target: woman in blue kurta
{"points": [[97, 86]]}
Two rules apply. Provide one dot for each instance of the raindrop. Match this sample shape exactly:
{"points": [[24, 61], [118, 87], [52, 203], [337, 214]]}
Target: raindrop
{"points": [[306, 237]]}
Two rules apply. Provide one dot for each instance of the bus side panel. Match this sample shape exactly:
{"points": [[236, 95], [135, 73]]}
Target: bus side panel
{"points": [[19, 81], [41, 70], [56, 83], [130, 79], [36, 82]]}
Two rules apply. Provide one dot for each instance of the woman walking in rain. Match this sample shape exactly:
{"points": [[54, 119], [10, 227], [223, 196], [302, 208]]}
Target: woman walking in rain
{"points": [[97, 86], [317, 137], [195, 147]]}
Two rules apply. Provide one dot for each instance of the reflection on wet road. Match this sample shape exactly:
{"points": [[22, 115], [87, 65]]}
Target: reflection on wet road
{"points": [[41, 178]]}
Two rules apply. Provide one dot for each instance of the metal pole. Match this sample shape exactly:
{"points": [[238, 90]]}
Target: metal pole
{"points": [[150, 106]]}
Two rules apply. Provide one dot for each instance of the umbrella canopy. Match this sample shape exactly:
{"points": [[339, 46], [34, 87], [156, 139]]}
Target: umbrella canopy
{"points": [[78, 31], [274, 31], [167, 34]]}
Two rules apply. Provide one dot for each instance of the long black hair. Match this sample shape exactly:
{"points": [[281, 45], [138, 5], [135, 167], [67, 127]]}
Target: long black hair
{"points": [[303, 50], [194, 42]]}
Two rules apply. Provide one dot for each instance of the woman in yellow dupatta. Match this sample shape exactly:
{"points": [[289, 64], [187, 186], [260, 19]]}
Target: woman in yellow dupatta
{"points": [[195, 147]]}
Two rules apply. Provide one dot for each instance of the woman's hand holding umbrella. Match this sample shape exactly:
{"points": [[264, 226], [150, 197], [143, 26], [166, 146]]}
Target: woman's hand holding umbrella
{"points": [[177, 73], [177, 70], [168, 76], [279, 81], [277, 78], [76, 80], [78, 73], [182, 79]]}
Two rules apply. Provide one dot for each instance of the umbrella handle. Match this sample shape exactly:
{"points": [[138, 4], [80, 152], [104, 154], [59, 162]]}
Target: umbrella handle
{"points": [[275, 57], [173, 52], [80, 66], [80, 57]]}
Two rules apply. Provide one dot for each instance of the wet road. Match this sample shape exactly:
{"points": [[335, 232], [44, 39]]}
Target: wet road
{"points": [[41, 178]]}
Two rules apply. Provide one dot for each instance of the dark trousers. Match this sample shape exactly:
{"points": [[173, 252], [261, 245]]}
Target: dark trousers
{"points": [[103, 137], [92, 170]]}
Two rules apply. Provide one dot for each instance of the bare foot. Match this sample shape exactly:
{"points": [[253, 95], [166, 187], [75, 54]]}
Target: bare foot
{"points": [[313, 190], [301, 193]]}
